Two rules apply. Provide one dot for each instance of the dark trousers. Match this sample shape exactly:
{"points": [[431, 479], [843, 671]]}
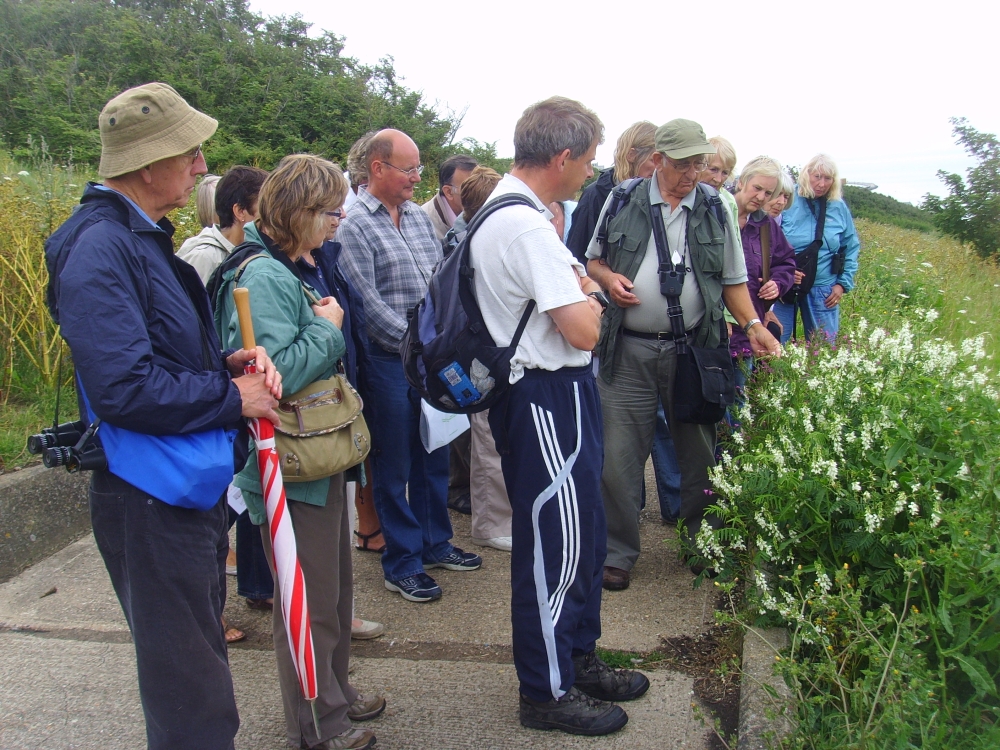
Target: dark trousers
{"points": [[168, 568], [548, 433], [253, 576]]}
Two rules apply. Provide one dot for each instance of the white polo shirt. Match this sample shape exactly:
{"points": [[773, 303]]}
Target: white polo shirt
{"points": [[650, 315], [518, 256]]}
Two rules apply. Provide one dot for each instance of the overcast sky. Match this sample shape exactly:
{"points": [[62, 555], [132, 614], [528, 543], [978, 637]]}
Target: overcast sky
{"points": [[871, 83]]}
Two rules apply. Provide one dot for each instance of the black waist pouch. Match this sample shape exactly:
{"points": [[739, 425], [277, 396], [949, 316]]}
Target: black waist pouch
{"points": [[705, 384], [806, 262]]}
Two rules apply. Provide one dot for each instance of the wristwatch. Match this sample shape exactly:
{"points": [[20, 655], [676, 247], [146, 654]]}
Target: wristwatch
{"points": [[750, 324], [603, 299]]}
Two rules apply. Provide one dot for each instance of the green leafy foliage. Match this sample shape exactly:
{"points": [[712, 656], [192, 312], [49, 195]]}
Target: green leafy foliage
{"points": [[861, 499], [971, 211], [274, 89]]}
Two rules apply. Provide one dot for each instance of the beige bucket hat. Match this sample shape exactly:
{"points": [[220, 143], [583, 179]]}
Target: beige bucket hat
{"points": [[146, 124]]}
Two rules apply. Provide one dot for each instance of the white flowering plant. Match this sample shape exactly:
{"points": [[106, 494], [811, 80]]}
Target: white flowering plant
{"points": [[861, 499]]}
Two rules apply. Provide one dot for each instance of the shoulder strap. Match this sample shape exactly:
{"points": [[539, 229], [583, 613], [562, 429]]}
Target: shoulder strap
{"points": [[620, 197], [714, 201], [765, 250], [821, 221], [671, 277], [509, 199], [242, 266]]}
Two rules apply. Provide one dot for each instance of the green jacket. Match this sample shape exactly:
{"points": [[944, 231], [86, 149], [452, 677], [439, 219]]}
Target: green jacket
{"points": [[303, 346], [628, 238]]}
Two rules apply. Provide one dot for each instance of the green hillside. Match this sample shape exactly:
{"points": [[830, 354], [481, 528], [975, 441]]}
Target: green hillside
{"points": [[865, 204]]}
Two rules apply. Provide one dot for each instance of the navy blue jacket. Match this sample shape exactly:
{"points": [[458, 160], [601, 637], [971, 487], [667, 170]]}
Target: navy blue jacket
{"points": [[328, 279], [587, 210], [138, 322]]}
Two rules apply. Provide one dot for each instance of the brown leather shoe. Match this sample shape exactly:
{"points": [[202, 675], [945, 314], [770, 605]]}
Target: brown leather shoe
{"points": [[615, 579]]}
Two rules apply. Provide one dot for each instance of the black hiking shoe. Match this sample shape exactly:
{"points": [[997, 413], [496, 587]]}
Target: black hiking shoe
{"points": [[598, 680], [574, 713]]}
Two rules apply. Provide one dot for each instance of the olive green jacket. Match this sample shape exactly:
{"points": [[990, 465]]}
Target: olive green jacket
{"points": [[628, 238], [303, 346]]}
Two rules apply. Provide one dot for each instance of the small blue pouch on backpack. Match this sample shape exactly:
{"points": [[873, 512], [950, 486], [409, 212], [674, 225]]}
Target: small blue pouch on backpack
{"points": [[187, 471]]}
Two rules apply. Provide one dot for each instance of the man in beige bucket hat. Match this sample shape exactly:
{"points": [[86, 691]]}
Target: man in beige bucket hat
{"points": [[150, 366], [641, 332]]}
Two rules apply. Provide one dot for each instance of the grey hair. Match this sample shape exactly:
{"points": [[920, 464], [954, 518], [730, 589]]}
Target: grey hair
{"points": [[205, 200], [825, 165], [548, 128], [764, 166], [357, 164]]}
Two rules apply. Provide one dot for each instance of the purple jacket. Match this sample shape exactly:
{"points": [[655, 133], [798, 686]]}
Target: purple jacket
{"points": [[782, 271]]}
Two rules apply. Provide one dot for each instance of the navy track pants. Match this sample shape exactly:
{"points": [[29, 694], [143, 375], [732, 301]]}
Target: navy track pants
{"points": [[548, 432]]}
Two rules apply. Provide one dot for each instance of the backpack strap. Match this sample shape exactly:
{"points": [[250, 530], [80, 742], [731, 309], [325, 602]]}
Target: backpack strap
{"points": [[620, 197], [765, 250], [711, 196], [243, 266]]}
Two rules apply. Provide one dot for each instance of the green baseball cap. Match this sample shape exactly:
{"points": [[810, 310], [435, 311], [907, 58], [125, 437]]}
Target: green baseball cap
{"points": [[146, 124], [680, 139]]}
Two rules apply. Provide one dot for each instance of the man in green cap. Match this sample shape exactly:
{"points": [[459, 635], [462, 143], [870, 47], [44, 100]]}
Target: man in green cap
{"points": [[637, 349], [149, 365]]}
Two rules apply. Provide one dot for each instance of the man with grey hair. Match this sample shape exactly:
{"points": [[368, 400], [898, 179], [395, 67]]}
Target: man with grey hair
{"points": [[548, 430], [638, 342], [390, 251], [149, 366]]}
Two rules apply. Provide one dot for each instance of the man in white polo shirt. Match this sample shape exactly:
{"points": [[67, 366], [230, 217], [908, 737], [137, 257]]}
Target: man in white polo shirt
{"points": [[548, 428]]}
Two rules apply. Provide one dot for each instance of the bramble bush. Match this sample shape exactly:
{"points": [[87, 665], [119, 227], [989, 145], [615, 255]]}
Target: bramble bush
{"points": [[861, 500]]}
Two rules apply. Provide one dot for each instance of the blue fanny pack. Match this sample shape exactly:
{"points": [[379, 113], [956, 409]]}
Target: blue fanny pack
{"points": [[188, 471]]}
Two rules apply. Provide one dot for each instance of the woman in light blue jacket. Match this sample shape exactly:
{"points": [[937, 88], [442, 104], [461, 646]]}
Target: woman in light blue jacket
{"points": [[838, 256]]}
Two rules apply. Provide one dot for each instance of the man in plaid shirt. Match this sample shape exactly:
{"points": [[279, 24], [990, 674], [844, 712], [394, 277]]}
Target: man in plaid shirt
{"points": [[389, 254]]}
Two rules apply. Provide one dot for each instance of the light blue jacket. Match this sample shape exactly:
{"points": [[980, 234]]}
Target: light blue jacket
{"points": [[799, 225]]}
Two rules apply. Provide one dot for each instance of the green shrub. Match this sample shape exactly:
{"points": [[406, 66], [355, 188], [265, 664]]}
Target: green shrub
{"points": [[861, 500]]}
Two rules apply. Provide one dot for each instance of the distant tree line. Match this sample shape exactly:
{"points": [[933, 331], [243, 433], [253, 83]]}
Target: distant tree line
{"points": [[865, 204], [274, 89]]}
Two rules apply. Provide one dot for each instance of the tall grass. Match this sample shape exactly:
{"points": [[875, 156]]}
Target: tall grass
{"points": [[35, 198]]}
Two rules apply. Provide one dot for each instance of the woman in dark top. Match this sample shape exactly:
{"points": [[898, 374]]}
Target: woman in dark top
{"points": [[633, 158]]}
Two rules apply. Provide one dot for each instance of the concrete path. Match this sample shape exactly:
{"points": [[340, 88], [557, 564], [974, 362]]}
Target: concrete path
{"points": [[67, 667]]}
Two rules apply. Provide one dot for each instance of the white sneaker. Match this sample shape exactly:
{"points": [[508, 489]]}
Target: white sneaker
{"points": [[502, 543], [366, 630]]}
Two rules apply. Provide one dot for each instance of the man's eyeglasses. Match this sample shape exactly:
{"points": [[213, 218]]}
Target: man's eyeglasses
{"points": [[335, 214], [193, 154], [417, 170], [455, 189], [687, 165]]}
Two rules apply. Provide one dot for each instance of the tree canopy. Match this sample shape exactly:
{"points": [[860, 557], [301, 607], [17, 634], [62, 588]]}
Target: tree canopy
{"points": [[274, 89], [971, 211]]}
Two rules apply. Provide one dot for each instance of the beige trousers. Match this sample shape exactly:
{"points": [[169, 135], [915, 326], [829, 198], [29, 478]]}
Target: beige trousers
{"points": [[490, 505], [323, 536]]}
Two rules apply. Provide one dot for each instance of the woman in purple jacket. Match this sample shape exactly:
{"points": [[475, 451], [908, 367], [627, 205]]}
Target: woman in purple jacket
{"points": [[759, 181]]}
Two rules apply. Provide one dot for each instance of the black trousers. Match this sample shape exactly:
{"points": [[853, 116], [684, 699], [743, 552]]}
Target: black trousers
{"points": [[168, 568]]}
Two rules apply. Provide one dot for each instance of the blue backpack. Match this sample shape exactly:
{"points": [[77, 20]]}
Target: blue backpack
{"points": [[448, 354]]}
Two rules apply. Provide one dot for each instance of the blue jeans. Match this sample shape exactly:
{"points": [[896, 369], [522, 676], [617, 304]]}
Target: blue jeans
{"points": [[666, 468], [253, 576], [815, 315], [418, 531]]}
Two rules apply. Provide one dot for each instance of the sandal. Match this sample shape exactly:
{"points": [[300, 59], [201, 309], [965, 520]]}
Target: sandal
{"points": [[260, 603], [233, 635], [366, 538]]}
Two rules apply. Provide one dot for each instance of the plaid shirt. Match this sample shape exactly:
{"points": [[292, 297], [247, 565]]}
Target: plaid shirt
{"points": [[390, 267]]}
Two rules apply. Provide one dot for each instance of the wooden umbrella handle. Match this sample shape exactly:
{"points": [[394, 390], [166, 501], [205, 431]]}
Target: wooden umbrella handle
{"points": [[241, 297]]}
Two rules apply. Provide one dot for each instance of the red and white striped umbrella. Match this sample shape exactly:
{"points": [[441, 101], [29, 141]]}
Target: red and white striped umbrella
{"points": [[294, 605]]}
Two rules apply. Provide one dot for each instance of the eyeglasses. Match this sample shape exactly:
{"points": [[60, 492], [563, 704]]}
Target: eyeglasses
{"points": [[193, 154], [687, 165], [455, 189], [417, 170], [335, 214]]}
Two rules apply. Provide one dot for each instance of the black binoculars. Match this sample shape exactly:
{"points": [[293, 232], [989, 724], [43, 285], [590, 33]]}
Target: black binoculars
{"points": [[69, 444]]}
